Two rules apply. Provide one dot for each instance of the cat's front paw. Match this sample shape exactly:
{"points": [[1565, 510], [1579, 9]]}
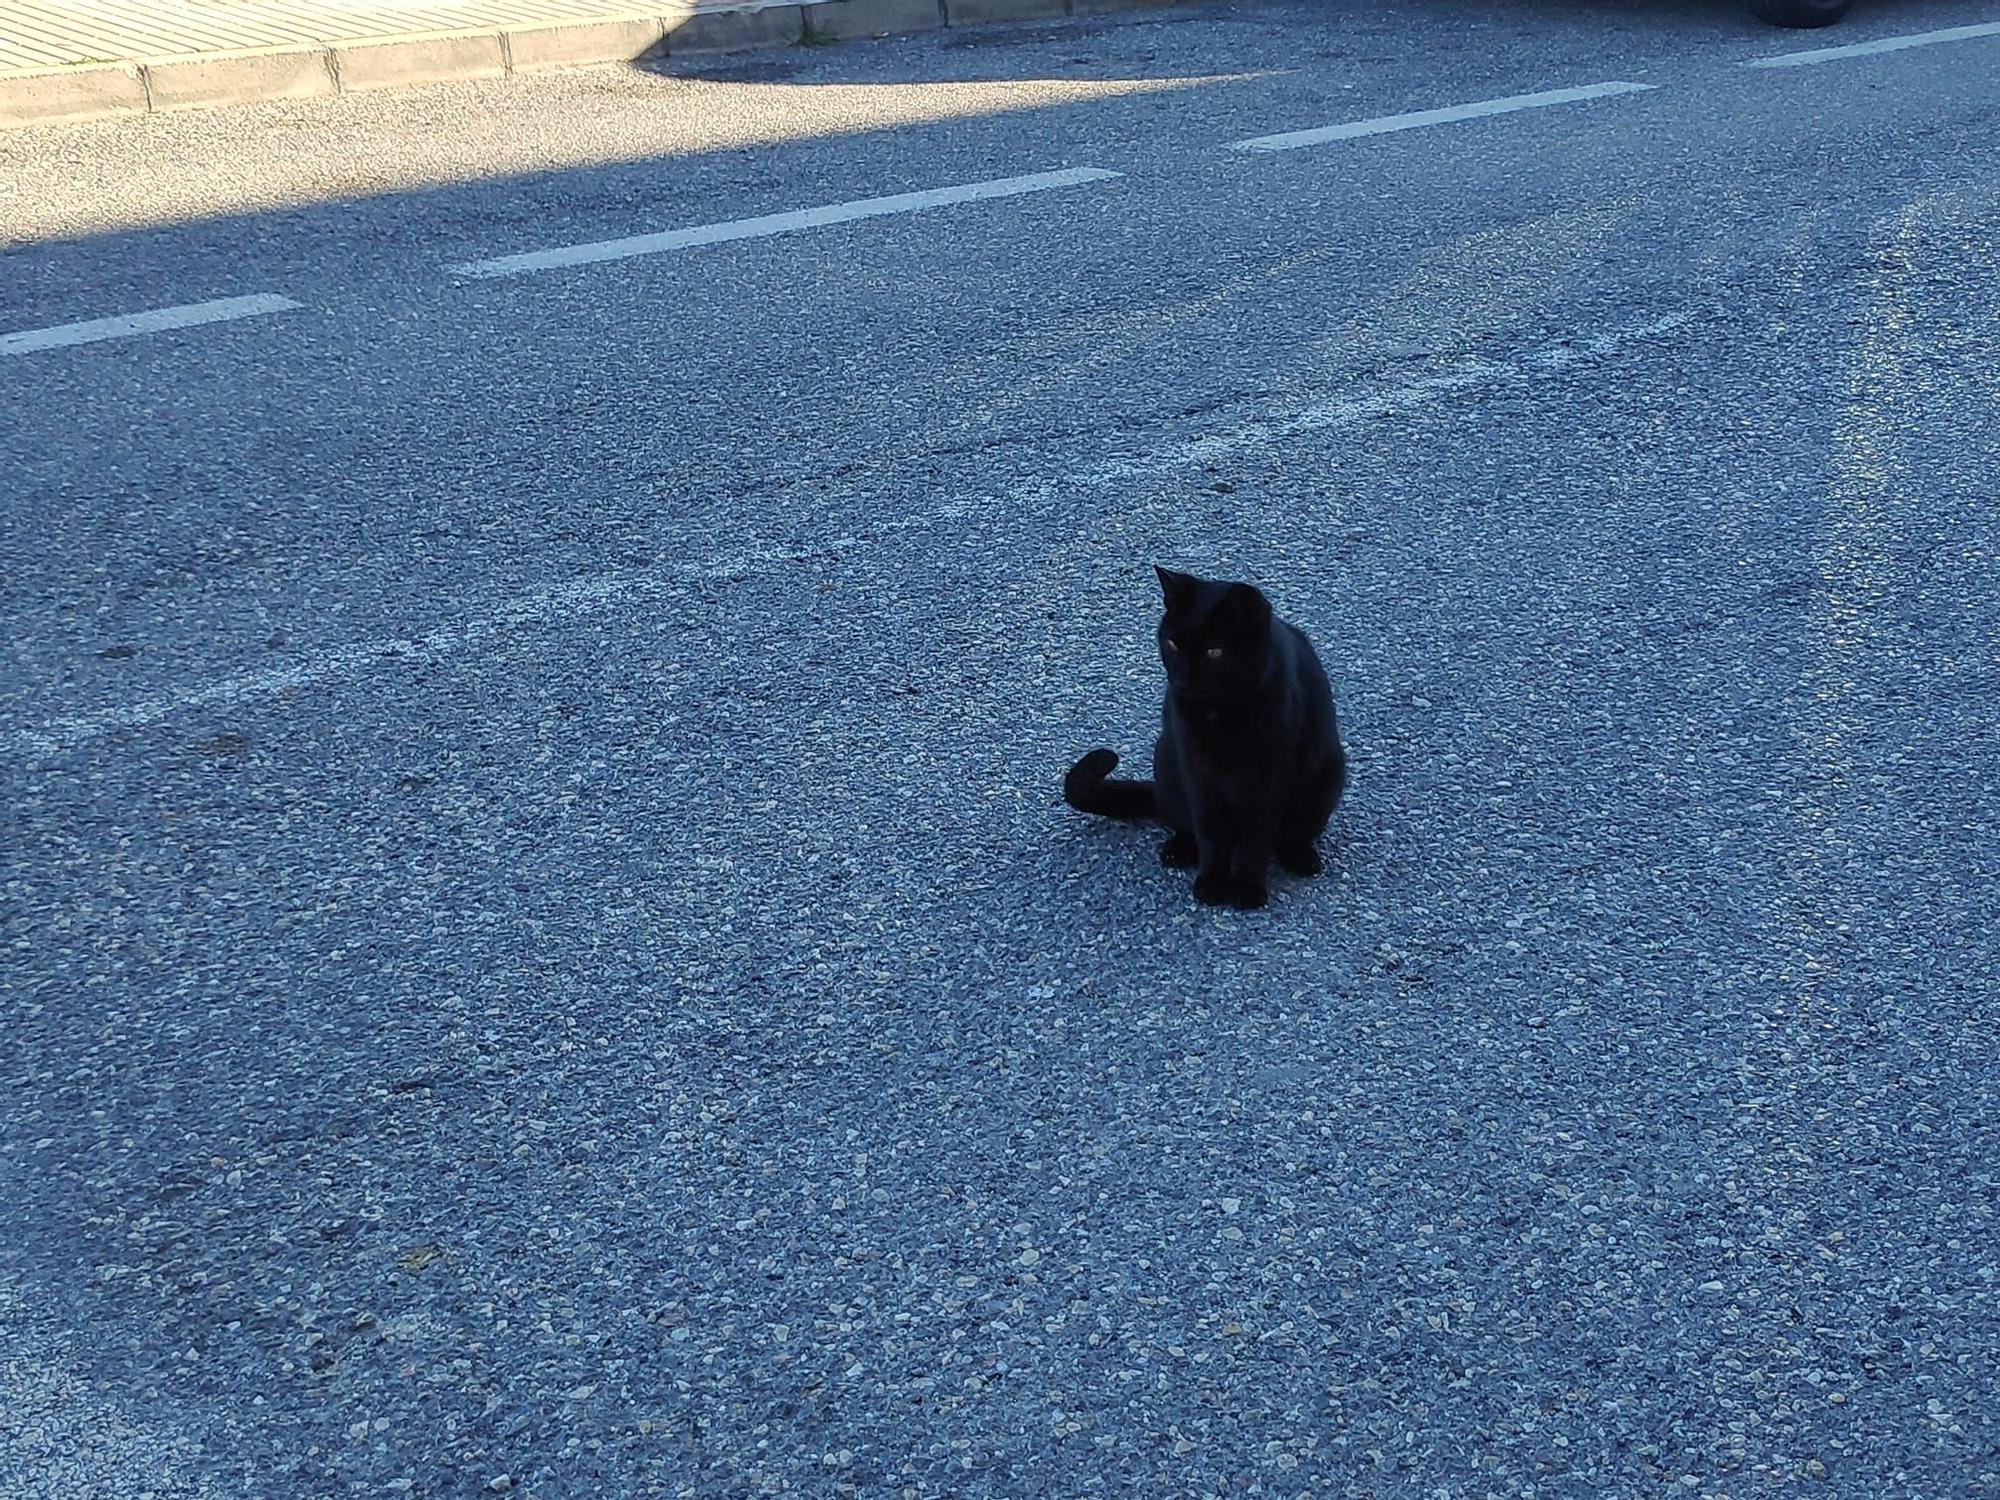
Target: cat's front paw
{"points": [[1214, 890], [1303, 860], [1220, 890], [1248, 896], [1179, 852]]}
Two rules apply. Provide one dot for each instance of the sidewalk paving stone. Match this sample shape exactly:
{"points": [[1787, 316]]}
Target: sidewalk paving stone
{"points": [[87, 59]]}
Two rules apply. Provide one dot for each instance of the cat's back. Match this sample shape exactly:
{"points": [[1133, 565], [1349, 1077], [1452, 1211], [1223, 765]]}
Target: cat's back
{"points": [[1305, 662], [1317, 740]]}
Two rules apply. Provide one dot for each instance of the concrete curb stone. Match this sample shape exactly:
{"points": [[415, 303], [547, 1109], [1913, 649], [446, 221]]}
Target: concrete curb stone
{"points": [[419, 59], [94, 91], [566, 44], [87, 92], [202, 79], [734, 30], [979, 12], [845, 20]]}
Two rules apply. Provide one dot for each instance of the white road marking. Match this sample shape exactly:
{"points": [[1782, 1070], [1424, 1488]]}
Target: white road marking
{"points": [[129, 325], [64, 1435], [1351, 411], [577, 599], [769, 224], [1292, 140], [630, 588], [1883, 44]]}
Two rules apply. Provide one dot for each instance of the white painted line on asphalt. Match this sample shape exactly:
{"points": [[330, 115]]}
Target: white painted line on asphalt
{"points": [[130, 325], [1350, 411], [580, 598], [769, 224], [643, 587], [67, 1434], [1883, 44], [1292, 140]]}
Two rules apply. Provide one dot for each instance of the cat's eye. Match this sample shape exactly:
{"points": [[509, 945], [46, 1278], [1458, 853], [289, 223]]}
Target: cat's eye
{"points": [[1215, 653], [1170, 644]]}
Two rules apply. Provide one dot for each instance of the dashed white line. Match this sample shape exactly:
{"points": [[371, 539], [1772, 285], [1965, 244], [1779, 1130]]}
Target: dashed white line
{"points": [[1292, 140], [1882, 44], [769, 224], [130, 325]]}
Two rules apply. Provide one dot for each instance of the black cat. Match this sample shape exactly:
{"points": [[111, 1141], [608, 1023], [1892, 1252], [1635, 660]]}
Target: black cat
{"points": [[1248, 766]]}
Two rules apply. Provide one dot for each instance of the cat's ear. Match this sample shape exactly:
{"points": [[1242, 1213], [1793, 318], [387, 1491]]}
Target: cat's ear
{"points": [[1246, 605], [1176, 588]]}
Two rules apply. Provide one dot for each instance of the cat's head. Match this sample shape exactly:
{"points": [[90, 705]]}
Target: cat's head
{"points": [[1214, 637]]}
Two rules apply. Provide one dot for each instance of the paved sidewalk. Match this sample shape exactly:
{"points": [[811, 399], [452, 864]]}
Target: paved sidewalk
{"points": [[49, 33], [86, 59]]}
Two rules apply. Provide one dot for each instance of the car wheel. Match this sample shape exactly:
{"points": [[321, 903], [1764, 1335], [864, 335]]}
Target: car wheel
{"points": [[1800, 12]]}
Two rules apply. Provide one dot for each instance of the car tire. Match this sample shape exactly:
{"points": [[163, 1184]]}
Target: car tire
{"points": [[1800, 12]]}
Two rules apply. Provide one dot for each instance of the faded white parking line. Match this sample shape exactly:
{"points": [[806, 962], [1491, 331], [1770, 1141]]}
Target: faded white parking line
{"points": [[1292, 140], [68, 1435], [1881, 44], [641, 588], [769, 224], [130, 325]]}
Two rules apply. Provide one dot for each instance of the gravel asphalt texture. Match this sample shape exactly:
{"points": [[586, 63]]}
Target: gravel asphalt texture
{"points": [[543, 950]]}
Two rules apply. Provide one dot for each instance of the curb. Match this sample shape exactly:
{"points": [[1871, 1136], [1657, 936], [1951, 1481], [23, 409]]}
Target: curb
{"points": [[98, 91]]}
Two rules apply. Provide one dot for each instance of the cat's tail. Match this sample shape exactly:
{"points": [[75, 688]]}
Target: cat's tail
{"points": [[1088, 789]]}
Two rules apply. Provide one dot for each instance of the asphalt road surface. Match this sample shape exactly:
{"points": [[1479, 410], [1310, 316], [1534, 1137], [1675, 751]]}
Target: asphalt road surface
{"points": [[543, 953]]}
